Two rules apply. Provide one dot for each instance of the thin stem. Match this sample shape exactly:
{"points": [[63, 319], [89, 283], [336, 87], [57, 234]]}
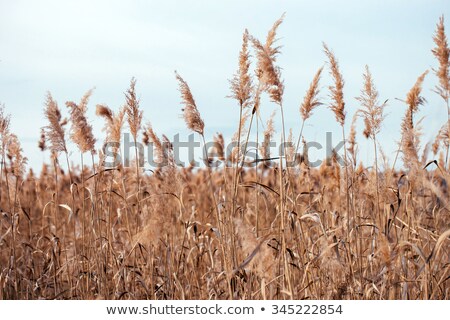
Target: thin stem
{"points": [[138, 184], [447, 164], [244, 151], [257, 179], [55, 266], [376, 176], [236, 164], [347, 196]]}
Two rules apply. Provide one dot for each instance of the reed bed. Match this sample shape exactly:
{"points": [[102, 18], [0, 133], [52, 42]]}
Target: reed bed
{"points": [[273, 228]]}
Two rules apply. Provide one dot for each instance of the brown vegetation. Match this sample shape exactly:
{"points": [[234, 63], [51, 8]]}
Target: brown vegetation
{"points": [[271, 231]]}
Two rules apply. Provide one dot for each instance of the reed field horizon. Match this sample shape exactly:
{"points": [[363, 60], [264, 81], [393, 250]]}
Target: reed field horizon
{"points": [[253, 215]]}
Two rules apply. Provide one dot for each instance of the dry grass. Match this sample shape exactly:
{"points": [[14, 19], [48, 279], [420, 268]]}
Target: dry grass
{"points": [[265, 232]]}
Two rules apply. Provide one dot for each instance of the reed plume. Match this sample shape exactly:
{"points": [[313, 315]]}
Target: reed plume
{"points": [[134, 114], [371, 111], [81, 131], [443, 137], [150, 137], [413, 99], [241, 85], [442, 54], [113, 126], [54, 131], [337, 93], [269, 75], [219, 146], [114, 122], [310, 102], [409, 142], [18, 161], [191, 115], [410, 137]]}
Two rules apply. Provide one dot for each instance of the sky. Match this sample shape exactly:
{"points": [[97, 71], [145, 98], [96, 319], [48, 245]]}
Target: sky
{"points": [[69, 47]]}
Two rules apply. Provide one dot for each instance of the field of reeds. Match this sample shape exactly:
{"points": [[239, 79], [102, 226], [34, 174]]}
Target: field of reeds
{"points": [[270, 227]]}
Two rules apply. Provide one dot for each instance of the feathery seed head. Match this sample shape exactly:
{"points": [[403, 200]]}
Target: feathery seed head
{"points": [[269, 75], [311, 101], [18, 161], [54, 131], [113, 126], [191, 115], [413, 98], [442, 54], [134, 115], [81, 131], [241, 84], [443, 137], [372, 110], [337, 93]]}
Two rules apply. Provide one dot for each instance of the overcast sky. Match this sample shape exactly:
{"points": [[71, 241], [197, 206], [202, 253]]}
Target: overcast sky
{"points": [[68, 47]]}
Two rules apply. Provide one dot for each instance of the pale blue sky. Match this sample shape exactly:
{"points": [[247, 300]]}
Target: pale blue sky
{"points": [[68, 47]]}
